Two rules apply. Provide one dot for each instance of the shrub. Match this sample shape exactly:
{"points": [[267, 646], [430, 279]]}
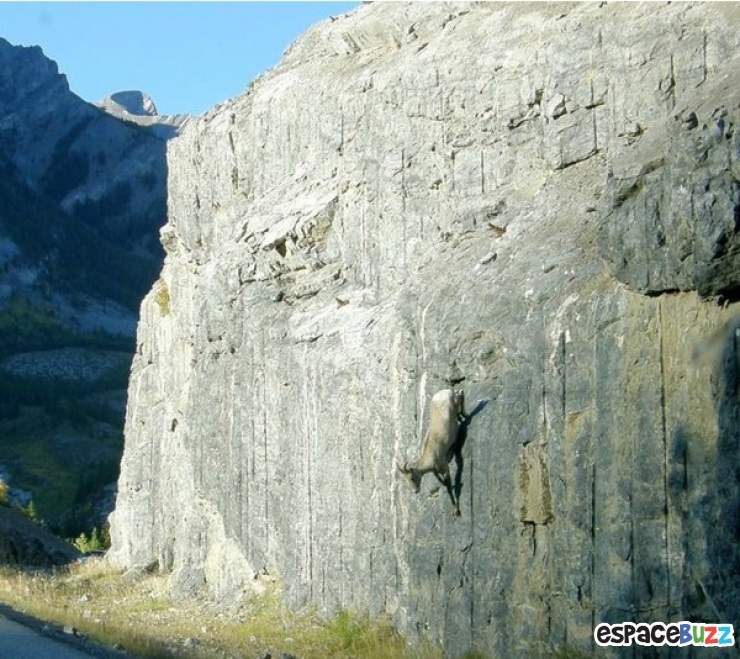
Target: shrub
{"points": [[31, 512], [162, 299], [95, 543]]}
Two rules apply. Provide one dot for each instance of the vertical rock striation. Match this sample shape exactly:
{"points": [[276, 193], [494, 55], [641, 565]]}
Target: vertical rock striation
{"points": [[535, 203]]}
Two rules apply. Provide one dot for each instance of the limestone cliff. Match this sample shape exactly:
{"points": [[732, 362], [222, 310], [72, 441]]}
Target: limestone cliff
{"points": [[537, 203]]}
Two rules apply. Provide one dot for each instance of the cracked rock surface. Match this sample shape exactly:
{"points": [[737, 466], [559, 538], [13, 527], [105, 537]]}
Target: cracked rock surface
{"points": [[537, 203]]}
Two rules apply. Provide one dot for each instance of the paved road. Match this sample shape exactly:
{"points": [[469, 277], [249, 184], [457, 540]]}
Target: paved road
{"points": [[19, 642]]}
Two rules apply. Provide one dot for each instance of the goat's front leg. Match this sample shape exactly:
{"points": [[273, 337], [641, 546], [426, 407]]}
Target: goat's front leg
{"points": [[444, 478]]}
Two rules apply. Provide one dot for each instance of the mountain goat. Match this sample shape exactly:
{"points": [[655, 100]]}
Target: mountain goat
{"points": [[445, 417]]}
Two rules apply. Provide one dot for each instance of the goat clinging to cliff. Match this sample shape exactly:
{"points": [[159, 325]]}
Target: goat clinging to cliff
{"points": [[445, 416]]}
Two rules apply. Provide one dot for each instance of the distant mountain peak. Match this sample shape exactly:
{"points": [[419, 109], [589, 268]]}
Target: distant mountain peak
{"points": [[137, 107], [133, 102]]}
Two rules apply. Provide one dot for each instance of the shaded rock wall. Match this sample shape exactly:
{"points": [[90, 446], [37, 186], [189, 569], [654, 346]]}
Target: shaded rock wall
{"points": [[501, 197]]}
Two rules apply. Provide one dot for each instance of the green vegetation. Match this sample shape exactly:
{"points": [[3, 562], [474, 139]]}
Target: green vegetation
{"points": [[93, 210], [68, 168], [79, 258], [32, 514], [63, 438], [65, 174], [138, 615], [66, 457], [162, 299], [569, 652], [26, 326], [4, 494], [98, 541]]}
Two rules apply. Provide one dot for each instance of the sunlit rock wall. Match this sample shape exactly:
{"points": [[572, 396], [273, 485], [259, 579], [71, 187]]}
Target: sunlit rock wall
{"points": [[518, 200]]}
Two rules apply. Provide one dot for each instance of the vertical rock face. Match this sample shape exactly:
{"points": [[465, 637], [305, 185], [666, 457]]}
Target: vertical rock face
{"points": [[535, 203]]}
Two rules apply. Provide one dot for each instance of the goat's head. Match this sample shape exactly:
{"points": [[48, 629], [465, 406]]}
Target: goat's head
{"points": [[412, 476]]}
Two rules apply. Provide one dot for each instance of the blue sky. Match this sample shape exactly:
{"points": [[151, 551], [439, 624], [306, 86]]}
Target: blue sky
{"points": [[188, 56]]}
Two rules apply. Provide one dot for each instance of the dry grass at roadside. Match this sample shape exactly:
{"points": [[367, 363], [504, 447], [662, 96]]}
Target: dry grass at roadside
{"points": [[138, 616]]}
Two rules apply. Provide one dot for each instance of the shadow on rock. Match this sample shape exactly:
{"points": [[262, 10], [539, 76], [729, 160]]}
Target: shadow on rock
{"points": [[462, 437]]}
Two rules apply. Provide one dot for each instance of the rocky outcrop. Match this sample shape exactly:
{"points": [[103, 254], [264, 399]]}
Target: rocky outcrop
{"points": [[678, 189], [26, 544], [534, 203], [132, 102], [138, 108]]}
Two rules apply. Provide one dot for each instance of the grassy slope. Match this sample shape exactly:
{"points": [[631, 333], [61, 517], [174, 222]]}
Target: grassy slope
{"points": [[138, 615]]}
